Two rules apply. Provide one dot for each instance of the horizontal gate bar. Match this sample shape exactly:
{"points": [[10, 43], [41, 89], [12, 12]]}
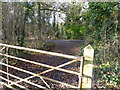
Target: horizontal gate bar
{"points": [[22, 79], [38, 75], [60, 82], [62, 65], [67, 63], [78, 58], [44, 65], [41, 51]]}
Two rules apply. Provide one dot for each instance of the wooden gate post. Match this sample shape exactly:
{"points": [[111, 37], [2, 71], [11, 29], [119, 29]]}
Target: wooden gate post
{"points": [[87, 67]]}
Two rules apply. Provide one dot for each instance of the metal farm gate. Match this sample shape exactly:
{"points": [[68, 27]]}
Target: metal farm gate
{"points": [[84, 75]]}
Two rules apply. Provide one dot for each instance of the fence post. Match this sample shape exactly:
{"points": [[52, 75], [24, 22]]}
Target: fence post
{"points": [[7, 52], [87, 67]]}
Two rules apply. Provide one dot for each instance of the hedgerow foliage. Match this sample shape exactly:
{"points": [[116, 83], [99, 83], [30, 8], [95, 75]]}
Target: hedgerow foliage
{"points": [[103, 25]]}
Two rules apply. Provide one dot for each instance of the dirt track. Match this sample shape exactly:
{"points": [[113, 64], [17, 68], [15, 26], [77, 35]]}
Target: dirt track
{"points": [[61, 46], [70, 47]]}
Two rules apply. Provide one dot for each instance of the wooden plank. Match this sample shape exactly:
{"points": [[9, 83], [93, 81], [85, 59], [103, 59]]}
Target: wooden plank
{"points": [[41, 51], [88, 67]]}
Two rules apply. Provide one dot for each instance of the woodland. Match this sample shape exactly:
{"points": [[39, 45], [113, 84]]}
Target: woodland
{"points": [[33, 24]]}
